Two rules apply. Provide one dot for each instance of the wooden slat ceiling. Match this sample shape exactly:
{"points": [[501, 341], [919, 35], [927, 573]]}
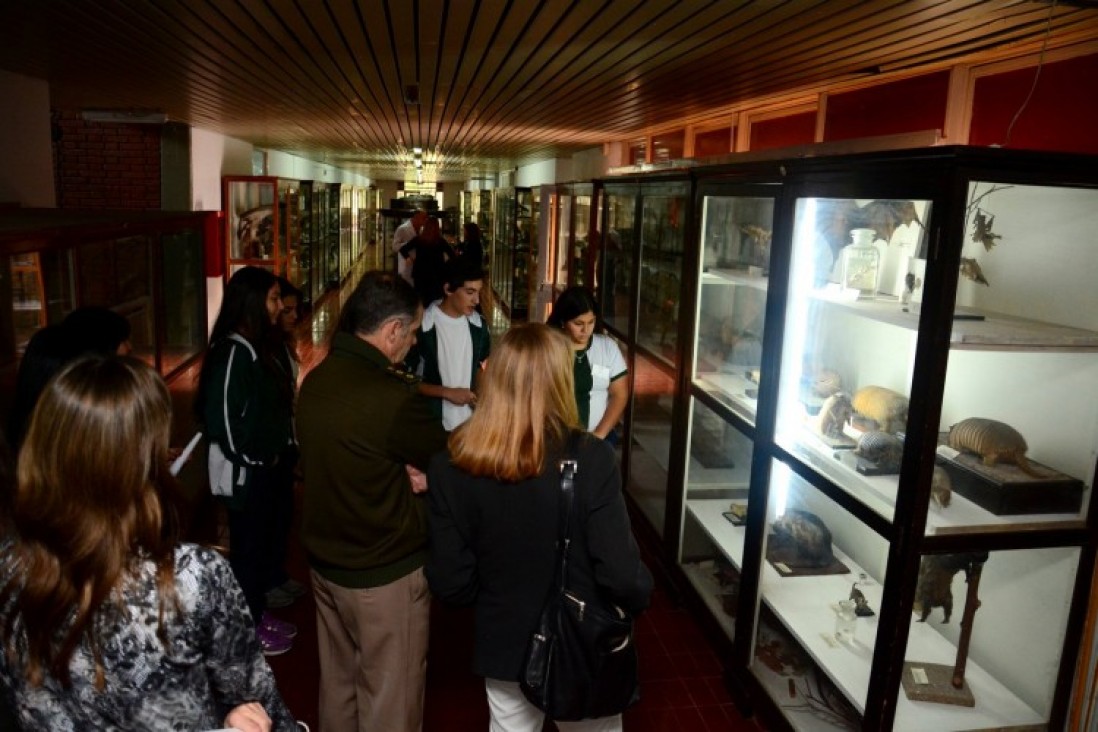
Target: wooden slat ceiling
{"points": [[498, 82]]}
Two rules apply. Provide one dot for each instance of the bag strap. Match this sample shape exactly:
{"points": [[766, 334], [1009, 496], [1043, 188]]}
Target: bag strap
{"points": [[569, 467]]}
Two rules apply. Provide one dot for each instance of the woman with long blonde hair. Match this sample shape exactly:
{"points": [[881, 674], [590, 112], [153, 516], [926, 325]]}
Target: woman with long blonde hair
{"points": [[108, 620], [493, 515]]}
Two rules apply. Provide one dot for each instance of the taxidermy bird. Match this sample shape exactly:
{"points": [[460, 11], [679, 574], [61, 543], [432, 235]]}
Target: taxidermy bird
{"points": [[970, 269], [981, 230]]}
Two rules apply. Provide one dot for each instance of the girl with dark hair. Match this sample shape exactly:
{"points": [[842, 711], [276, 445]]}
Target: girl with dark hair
{"points": [[471, 245], [601, 375], [493, 513], [88, 329], [245, 403], [108, 620]]}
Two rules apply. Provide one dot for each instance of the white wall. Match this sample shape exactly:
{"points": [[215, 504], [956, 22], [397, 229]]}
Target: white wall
{"points": [[588, 164], [285, 165], [26, 177], [543, 172]]}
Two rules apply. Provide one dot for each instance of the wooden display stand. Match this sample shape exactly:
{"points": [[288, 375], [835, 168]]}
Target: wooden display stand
{"points": [[1004, 490], [936, 682]]}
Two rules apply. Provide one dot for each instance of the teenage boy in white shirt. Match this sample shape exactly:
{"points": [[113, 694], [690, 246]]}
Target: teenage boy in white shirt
{"points": [[453, 344]]}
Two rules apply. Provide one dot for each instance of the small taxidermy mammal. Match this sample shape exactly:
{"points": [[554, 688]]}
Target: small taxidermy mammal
{"points": [[936, 580], [993, 441], [861, 605], [881, 448], [802, 539], [888, 408], [941, 487], [834, 413]]}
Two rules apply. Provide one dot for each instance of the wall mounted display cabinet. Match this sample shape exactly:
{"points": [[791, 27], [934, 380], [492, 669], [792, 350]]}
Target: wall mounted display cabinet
{"points": [[146, 266], [511, 253], [254, 234], [883, 417]]}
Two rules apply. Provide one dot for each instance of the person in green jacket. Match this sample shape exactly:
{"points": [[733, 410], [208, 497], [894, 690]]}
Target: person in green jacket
{"points": [[361, 422], [244, 403]]}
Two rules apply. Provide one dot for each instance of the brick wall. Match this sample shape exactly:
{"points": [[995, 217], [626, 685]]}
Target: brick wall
{"points": [[100, 165]]}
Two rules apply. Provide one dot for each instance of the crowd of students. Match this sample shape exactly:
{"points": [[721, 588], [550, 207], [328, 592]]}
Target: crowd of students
{"points": [[428, 459]]}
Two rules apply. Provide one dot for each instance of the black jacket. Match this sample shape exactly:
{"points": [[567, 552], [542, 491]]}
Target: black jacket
{"points": [[493, 545]]}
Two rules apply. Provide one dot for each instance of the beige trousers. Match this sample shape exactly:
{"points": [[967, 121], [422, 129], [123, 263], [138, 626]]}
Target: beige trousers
{"points": [[373, 654]]}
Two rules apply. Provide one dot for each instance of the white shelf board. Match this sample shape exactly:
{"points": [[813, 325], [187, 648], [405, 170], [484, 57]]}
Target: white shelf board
{"points": [[878, 492], [708, 588], [734, 388], [715, 276], [727, 537], [996, 331], [804, 607]]}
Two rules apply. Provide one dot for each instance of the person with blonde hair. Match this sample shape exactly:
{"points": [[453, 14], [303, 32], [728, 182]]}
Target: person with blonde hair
{"points": [[108, 620], [493, 512]]}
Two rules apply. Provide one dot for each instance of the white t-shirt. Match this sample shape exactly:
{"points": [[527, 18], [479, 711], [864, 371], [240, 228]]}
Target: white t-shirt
{"points": [[607, 364], [455, 362]]}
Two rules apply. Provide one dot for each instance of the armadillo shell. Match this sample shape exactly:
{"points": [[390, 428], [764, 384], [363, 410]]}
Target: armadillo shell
{"points": [[987, 438], [871, 444]]}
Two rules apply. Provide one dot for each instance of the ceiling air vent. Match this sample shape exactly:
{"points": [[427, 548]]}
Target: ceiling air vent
{"points": [[411, 94]]}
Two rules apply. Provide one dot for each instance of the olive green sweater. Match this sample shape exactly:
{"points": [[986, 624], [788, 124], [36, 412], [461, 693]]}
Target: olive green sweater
{"points": [[360, 420]]}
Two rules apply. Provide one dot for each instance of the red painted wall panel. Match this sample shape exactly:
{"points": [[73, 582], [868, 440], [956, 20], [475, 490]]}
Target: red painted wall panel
{"points": [[796, 129], [1061, 115], [909, 105]]}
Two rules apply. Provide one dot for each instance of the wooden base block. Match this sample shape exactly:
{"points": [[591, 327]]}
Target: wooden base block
{"points": [[933, 682]]}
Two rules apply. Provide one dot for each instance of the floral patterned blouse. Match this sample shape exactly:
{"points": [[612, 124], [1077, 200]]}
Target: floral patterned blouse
{"points": [[212, 662]]}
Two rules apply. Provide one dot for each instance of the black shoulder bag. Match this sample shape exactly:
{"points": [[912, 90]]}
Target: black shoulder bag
{"points": [[582, 661]]}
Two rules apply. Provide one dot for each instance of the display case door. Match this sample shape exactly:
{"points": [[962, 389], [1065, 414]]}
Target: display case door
{"points": [[732, 262]]}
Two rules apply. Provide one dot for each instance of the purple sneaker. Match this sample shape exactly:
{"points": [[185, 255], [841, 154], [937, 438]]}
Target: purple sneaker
{"points": [[276, 626], [272, 643]]}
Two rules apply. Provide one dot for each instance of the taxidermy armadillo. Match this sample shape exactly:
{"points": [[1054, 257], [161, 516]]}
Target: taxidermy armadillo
{"points": [[834, 413], [804, 537], [888, 408], [993, 441], [941, 487], [881, 448]]}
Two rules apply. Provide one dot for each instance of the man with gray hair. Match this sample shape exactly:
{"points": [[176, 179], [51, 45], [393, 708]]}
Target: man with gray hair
{"points": [[363, 426]]}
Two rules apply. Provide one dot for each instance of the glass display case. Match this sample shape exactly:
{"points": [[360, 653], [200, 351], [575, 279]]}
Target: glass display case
{"points": [[732, 269], [253, 232], [933, 445], [290, 232], [511, 270], [146, 266], [882, 450], [645, 221]]}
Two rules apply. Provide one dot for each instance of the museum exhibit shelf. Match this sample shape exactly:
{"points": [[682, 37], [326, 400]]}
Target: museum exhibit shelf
{"points": [[886, 382]]}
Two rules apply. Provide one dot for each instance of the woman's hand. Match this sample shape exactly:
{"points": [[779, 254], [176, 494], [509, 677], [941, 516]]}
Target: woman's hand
{"points": [[250, 717]]}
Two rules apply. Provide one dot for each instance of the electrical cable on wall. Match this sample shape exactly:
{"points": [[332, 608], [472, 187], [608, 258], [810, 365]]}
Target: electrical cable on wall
{"points": [[1036, 75]]}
